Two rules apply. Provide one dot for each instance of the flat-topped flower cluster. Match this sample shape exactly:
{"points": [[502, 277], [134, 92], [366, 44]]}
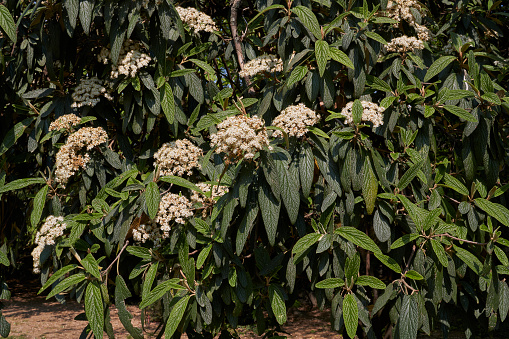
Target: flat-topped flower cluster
{"points": [[130, 61], [294, 120], [178, 158], [52, 228], [197, 20], [240, 137], [74, 154], [264, 63], [89, 92], [404, 44], [65, 121], [371, 112], [172, 208]]}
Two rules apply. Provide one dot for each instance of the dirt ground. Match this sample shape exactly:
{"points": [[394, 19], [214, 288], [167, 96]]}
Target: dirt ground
{"points": [[32, 316]]}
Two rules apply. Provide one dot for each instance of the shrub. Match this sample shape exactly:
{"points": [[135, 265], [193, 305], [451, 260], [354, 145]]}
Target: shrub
{"points": [[218, 159]]}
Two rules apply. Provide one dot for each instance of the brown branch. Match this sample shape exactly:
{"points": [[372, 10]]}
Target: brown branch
{"points": [[467, 241], [118, 256], [236, 41]]}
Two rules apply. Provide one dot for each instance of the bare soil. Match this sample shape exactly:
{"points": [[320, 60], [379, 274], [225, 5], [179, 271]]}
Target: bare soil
{"points": [[32, 316]]}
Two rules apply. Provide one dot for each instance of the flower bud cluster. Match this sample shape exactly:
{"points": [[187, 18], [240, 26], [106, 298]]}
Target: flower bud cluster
{"points": [[53, 228], [65, 121], [72, 156], [240, 137], [198, 198], [294, 120], [178, 158], [88, 93], [402, 10], [264, 63], [371, 112], [404, 44], [197, 20], [130, 60]]}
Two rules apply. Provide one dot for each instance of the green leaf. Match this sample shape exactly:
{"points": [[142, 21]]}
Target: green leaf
{"points": [[304, 243], [455, 184], [410, 174], [206, 67], [357, 111], [350, 314], [122, 293], [406, 239], [3, 259], [181, 182], [149, 280], [86, 13], [503, 305], [160, 290], [297, 75], [168, 103], [152, 198], [140, 252], [322, 55], [460, 112], [340, 56], [330, 283], [440, 252], [413, 275], [378, 84], [497, 211], [373, 282], [308, 19], [389, 262], [5, 327], [7, 23], [469, 259], [438, 66], [39, 202], [176, 314], [501, 256], [408, 322], [375, 37], [369, 187], [492, 98], [269, 207], [66, 283], [263, 11], [94, 309], [91, 266], [358, 238], [21, 183], [203, 256], [14, 133], [277, 304]]}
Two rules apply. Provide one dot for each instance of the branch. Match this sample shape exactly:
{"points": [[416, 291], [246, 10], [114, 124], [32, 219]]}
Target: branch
{"points": [[467, 241], [118, 256], [236, 41]]}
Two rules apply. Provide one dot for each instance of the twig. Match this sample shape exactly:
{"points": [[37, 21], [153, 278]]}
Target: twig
{"points": [[105, 272], [453, 237]]}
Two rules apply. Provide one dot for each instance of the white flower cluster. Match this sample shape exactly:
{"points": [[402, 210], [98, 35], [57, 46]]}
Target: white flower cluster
{"points": [[71, 157], [53, 228], [65, 121], [172, 208], [404, 44], [197, 20], [371, 112], [240, 136], [401, 10], [88, 93], [130, 60], [198, 198], [178, 158], [264, 63], [294, 120]]}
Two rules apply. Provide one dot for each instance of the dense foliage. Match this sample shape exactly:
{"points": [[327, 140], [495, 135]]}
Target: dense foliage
{"points": [[218, 161]]}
